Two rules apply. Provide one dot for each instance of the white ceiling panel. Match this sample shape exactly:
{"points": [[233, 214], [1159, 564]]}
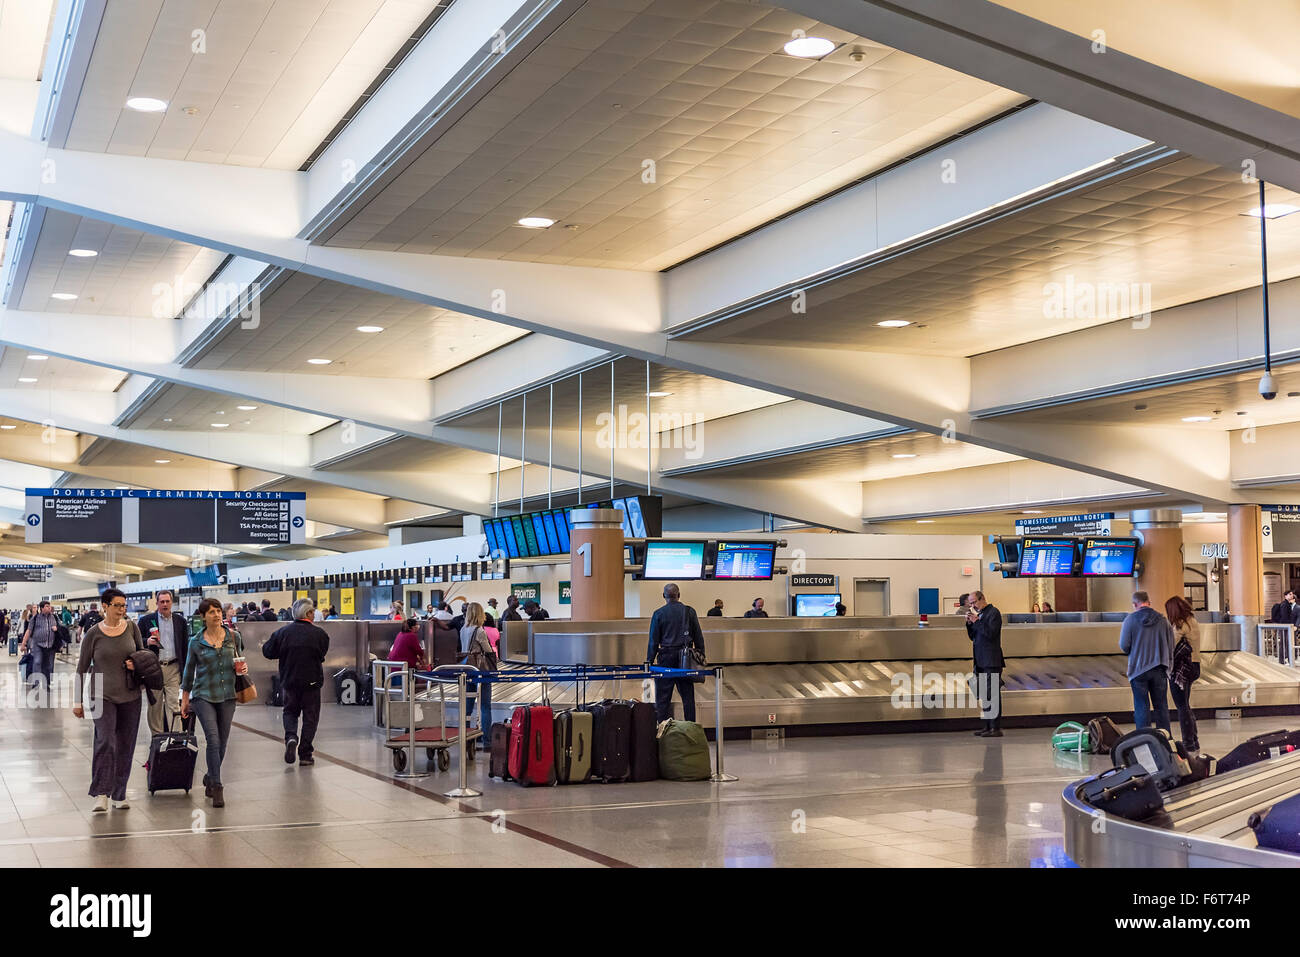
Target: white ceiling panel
{"points": [[184, 409], [24, 31], [55, 373]]}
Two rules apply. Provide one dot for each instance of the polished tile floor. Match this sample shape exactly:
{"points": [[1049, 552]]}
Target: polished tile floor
{"points": [[905, 800]]}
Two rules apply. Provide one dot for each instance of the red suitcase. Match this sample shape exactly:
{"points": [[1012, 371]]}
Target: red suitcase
{"points": [[532, 746]]}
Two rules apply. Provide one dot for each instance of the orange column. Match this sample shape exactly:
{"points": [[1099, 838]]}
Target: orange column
{"points": [[1245, 561], [596, 564], [1161, 553]]}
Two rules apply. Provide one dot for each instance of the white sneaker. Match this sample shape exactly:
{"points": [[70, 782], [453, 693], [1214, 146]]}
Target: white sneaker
{"points": [[121, 805], [101, 804]]}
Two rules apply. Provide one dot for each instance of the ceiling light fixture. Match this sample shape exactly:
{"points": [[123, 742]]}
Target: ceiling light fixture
{"points": [[658, 395], [893, 323], [245, 408], [63, 296], [166, 420], [162, 461], [1031, 511], [1273, 210], [1196, 418], [809, 48], [319, 362], [8, 428], [905, 455], [370, 328], [925, 521], [38, 358], [83, 253], [536, 222], [146, 104], [26, 379], [220, 425]]}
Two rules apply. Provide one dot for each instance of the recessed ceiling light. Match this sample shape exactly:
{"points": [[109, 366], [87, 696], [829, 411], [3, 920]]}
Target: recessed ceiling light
{"points": [[893, 323], [370, 328], [162, 461], [1196, 418], [146, 104], [925, 521], [658, 395], [1031, 511], [26, 379], [38, 358], [904, 455], [63, 296], [1274, 210], [221, 425], [8, 427], [536, 222], [319, 362], [810, 48], [83, 253], [245, 408], [166, 420]]}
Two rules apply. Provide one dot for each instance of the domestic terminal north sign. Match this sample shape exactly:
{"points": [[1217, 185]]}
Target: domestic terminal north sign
{"points": [[164, 517]]}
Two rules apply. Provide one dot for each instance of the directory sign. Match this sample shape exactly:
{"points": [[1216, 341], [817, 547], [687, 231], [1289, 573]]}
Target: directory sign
{"points": [[747, 561], [674, 560], [161, 516], [1109, 557], [25, 573], [1047, 557]]}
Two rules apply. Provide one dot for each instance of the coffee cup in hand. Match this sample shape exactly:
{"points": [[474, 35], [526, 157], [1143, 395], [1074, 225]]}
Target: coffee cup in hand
{"points": [[241, 666]]}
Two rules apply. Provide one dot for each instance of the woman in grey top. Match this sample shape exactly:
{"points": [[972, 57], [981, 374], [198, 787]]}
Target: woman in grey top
{"points": [[478, 652], [106, 655]]}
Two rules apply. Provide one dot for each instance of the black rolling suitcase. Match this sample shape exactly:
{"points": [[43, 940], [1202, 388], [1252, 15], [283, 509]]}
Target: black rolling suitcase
{"points": [[499, 760], [353, 688], [276, 698], [1151, 751], [171, 758], [644, 756], [1278, 828], [1259, 748], [1127, 792], [611, 740]]}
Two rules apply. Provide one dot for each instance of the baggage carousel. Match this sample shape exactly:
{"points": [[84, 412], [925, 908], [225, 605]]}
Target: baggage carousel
{"points": [[1204, 824], [788, 672]]}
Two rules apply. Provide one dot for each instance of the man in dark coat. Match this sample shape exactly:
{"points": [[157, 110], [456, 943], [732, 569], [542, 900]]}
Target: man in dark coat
{"points": [[984, 626], [300, 647], [672, 627]]}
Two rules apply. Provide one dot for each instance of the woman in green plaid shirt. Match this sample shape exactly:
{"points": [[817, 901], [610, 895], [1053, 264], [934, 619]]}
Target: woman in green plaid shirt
{"points": [[209, 684]]}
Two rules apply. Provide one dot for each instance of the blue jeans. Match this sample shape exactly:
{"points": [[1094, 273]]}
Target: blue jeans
{"points": [[215, 719], [485, 713], [1151, 693], [43, 662]]}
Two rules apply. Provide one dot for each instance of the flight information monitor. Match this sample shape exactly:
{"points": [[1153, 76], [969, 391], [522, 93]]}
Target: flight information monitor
{"points": [[745, 561], [1109, 557], [674, 560], [816, 605], [1047, 557]]}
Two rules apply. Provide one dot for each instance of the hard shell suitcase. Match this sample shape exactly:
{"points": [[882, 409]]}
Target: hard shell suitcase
{"points": [[1127, 792], [612, 740], [171, 758], [500, 751], [1259, 748], [1152, 751], [644, 757], [1278, 828], [532, 746], [573, 747], [13, 645]]}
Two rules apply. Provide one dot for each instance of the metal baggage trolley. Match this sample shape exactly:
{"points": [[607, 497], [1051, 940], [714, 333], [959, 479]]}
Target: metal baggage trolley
{"points": [[423, 716]]}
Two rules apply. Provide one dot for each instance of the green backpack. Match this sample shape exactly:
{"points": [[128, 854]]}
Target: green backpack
{"points": [[1071, 736], [683, 751]]}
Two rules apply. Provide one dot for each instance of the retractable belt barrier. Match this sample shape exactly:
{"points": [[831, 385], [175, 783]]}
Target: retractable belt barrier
{"points": [[462, 675]]}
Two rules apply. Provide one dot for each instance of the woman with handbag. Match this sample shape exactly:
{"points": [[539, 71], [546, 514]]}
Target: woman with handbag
{"points": [[115, 702], [1186, 667], [214, 667], [478, 652]]}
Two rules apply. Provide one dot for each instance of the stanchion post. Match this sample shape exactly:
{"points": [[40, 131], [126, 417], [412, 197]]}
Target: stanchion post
{"points": [[409, 696], [719, 776], [464, 790]]}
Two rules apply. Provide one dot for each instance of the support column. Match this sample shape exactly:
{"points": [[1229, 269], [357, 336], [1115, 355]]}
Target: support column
{"points": [[1245, 561], [1160, 532], [596, 569]]}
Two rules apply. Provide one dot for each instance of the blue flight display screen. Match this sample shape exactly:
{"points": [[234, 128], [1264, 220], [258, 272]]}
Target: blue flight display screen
{"points": [[1106, 557], [815, 606], [1047, 557], [750, 561], [561, 519]]}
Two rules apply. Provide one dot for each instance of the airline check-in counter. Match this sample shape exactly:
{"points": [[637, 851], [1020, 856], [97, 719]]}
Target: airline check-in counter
{"points": [[870, 672]]}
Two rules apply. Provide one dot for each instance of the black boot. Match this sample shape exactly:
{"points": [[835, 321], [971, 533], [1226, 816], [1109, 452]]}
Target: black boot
{"points": [[218, 796], [207, 786], [985, 727]]}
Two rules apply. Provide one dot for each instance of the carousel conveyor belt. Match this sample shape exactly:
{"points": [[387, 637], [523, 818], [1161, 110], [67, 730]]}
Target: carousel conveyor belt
{"points": [[850, 692], [1204, 824]]}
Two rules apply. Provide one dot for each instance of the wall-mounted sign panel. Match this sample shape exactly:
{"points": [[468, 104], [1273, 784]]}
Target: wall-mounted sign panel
{"points": [[1096, 523], [165, 517], [25, 573]]}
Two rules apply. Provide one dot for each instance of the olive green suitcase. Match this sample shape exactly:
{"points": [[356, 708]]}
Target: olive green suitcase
{"points": [[573, 737]]}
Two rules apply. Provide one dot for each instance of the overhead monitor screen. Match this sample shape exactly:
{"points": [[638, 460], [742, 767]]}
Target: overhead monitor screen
{"points": [[745, 561], [560, 519], [1109, 557], [674, 560], [816, 606], [634, 521], [1047, 557], [1009, 553], [494, 544]]}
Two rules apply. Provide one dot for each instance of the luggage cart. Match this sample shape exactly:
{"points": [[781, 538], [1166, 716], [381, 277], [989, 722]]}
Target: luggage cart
{"points": [[423, 715]]}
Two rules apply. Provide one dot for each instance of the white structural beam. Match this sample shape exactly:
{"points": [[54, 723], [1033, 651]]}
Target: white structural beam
{"points": [[1265, 458], [990, 41]]}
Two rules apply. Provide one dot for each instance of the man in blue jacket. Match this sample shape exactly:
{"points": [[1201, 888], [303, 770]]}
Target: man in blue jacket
{"points": [[1148, 640]]}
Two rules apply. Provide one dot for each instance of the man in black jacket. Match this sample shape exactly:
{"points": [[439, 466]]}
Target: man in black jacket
{"points": [[672, 628], [300, 647], [1284, 612], [756, 610], [716, 610], [268, 613], [984, 626], [167, 634]]}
